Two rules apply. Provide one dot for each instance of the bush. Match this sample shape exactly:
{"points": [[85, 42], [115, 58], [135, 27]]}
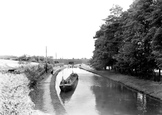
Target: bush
{"points": [[14, 99], [34, 73]]}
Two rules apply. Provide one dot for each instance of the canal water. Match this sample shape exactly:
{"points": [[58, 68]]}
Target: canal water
{"points": [[96, 95]]}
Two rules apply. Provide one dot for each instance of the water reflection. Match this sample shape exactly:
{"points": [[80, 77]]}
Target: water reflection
{"points": [[141, 102], [95, 95], [114, 99], [82, 100], [65, 97], [153, 107]]}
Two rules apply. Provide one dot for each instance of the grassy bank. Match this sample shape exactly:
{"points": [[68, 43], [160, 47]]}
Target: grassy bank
{"points": [[15, 87], [36, 73], [14, 91], [150, 88], [59, 108]]}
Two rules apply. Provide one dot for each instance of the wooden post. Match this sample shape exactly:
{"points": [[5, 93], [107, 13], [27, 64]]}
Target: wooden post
{"points": [[46, 59]]}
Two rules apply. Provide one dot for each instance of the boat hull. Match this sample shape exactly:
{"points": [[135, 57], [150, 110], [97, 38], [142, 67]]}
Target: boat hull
{"points": [[69, 87]]}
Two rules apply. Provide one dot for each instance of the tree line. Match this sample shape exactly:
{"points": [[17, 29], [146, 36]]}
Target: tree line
{"points": [[39, 59], [130, 42], [50, 60]]}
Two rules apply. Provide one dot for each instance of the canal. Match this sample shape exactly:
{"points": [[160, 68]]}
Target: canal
{"points": [[94, 95]]}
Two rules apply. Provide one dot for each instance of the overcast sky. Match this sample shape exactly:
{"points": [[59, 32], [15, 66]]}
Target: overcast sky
{"points": [[66, 27]]}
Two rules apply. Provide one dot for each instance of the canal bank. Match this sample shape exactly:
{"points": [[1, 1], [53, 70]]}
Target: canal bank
{"points": [[151, 88], [58, 107], [45, 97]]}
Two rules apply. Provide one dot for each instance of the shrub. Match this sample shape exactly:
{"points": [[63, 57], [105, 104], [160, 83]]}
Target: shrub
{"points": [[34, 73], [14, 99]]}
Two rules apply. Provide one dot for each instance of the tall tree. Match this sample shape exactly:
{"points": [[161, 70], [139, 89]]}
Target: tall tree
{"points": [[106, 45]]}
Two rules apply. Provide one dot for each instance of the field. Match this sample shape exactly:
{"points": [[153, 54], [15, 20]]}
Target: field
{"points": [[7, 64]]}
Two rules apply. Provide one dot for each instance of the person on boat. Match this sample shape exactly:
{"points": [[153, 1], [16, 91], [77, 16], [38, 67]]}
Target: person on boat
{"points": [[68, 81], [63, 81]]}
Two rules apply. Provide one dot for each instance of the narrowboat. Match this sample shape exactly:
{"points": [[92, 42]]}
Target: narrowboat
{"points": [[70, 83]]}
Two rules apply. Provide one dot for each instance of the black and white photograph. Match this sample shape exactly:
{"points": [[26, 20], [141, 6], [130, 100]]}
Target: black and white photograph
{"points": [[80, 57]]}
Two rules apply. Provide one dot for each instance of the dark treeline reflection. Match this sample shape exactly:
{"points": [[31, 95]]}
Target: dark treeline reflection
{"points": [[65, 97], [115, 99], [94, 95]]}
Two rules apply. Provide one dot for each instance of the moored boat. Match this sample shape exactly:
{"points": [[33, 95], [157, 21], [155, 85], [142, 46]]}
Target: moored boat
{"points": [[70, 83]]}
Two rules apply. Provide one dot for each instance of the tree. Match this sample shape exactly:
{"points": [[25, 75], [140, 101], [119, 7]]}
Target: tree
{"points": [[106, 43], [130, 41]]}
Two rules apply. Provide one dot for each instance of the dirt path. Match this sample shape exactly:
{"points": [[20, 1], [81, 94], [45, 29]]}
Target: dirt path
{"points": [[59, 109], [45, 95]]}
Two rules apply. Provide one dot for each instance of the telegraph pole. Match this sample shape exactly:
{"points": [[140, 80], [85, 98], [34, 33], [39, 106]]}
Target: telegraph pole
{"points": [[46, 59]]}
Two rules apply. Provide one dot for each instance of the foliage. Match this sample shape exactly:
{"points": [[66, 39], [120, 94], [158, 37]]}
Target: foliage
{"points": [[107, 40], [130, 41], [40, 59], [34, 73], [34, 59], [14, 95], [14, 99]]}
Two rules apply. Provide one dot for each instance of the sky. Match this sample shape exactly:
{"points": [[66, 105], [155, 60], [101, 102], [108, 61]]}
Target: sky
{"points": [[66, 27]]}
